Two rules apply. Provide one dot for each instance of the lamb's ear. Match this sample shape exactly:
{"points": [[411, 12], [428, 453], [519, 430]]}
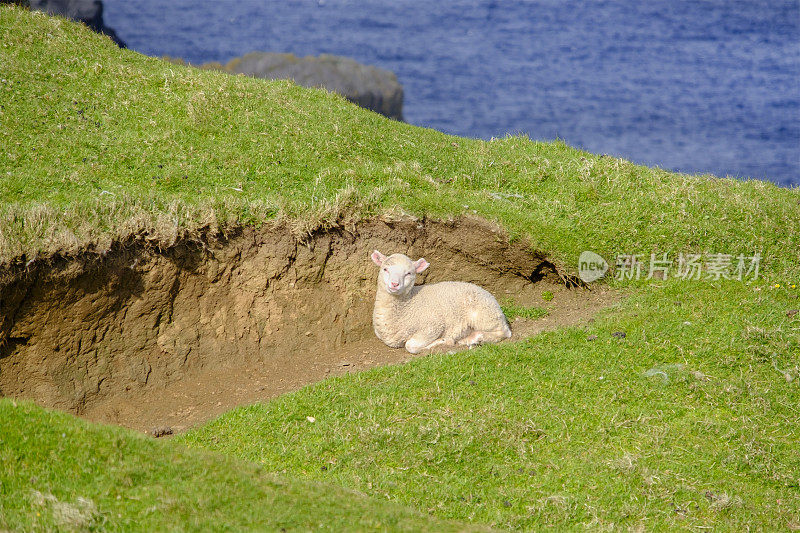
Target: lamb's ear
{"points": [[420, 265], [378, 258]]}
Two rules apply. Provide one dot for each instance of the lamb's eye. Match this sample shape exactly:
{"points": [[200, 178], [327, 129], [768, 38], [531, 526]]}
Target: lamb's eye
{"points": [[386, 270], [408, 274]]}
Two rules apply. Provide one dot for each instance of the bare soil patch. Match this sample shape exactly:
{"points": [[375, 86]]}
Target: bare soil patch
{"points": [[150, 338]]}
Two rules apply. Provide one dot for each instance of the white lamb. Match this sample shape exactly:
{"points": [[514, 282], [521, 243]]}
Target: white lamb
{"points": [[449, 312]]}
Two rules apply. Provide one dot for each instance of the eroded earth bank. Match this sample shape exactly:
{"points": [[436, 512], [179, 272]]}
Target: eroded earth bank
{"points": [[147, 337]]}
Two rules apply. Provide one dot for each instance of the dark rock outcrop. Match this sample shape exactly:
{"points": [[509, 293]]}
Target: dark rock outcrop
{"points": [[90, 12], [367, 86]]}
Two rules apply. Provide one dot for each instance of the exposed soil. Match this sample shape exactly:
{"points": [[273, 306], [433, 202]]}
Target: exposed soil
{"points": [[149, 338]]}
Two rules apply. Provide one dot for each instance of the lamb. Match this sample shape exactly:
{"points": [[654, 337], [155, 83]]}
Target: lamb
{"points": [[421, 317]]}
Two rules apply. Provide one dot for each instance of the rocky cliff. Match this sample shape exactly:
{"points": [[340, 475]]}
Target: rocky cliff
{"points": [[370, 87]]}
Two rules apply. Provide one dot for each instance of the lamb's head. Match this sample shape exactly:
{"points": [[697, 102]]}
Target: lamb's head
{"points": [[398, 272]]}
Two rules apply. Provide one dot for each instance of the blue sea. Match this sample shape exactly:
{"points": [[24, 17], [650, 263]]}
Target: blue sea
{"points": [[699, 86]]}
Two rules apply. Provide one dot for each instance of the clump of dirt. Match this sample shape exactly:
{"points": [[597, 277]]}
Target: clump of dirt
{"points": [[169, 338]]}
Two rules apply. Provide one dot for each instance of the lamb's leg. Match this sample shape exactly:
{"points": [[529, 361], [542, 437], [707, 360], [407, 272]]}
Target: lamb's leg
{"points": [[417, 344], [480, 337], [423, 340], [436, 343], [472, 339]]}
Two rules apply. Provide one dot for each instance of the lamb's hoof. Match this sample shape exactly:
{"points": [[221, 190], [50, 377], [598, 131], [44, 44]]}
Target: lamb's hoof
{"points": [[474, 339]]}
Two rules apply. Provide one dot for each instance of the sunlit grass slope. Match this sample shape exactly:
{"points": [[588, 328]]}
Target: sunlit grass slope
{"points": [[690, 419], [58, 473]]}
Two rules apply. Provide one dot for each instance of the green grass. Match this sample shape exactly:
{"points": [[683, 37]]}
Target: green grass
{"points": [[59, 473], [691, 420], [512, 311]]}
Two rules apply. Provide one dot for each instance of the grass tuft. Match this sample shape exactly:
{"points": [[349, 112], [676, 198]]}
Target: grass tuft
{"points": [[513, 311]]}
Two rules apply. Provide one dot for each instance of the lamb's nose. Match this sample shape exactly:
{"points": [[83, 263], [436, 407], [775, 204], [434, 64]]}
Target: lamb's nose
{"points": [[395, 284]]}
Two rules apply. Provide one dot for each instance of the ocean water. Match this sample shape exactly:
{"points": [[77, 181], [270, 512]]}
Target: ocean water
{"points": [[699, 86]]}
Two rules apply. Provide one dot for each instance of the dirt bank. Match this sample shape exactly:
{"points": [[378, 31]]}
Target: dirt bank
{"points": [[145, 338]]}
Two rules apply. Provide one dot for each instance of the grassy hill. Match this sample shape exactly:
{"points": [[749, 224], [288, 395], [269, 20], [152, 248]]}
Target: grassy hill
{"points": [[689, 420], [60, 474]]}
